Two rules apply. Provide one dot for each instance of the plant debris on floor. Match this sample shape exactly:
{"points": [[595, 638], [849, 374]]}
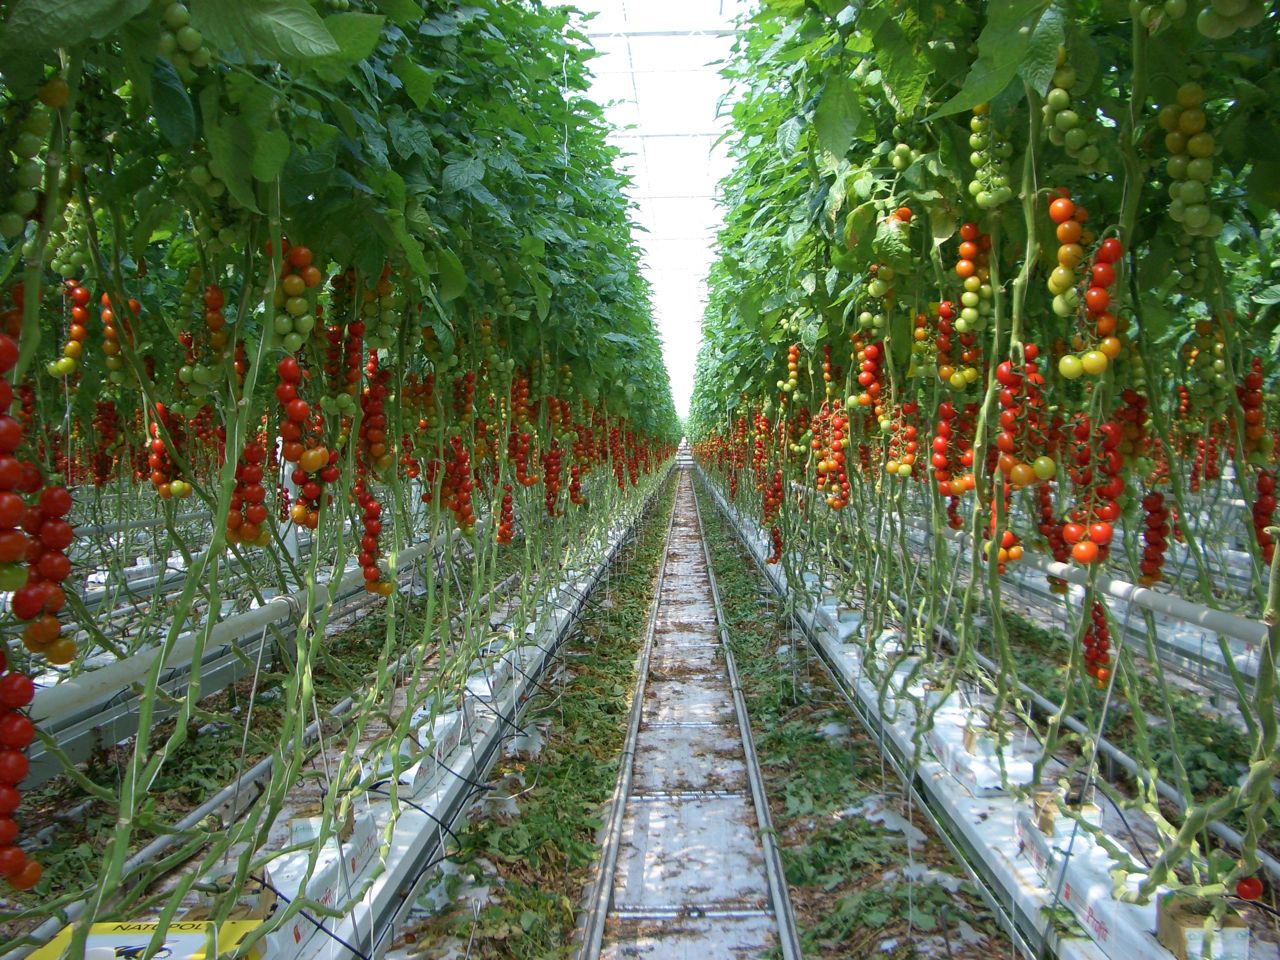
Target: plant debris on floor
{"points": [[867, 875], [513, 885]]}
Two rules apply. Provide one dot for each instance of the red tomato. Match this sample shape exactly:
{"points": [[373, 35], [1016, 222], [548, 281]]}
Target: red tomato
{"points": [[12, 861], [1085, 552], [29, 876], [13, 766], [16, 731], [1061, 210], [1248, 888]]}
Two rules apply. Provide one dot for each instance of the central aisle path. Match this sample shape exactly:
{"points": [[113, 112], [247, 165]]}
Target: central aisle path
{"points": [[684, 873]]}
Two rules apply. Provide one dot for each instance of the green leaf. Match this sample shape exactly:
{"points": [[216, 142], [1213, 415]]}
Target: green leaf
{"points": [[462, 174], [542, 297], [1268, 295], [357, 34], [858, 223], [285, 29], [892, 243], [614, 337], [453, 279], [789, 136], [270, 154], [404, 12], [34, 25], [838, 115], [231, 144], [419, 82], [905, 71], [1002, 46], [175, 115], [409, 137], [1041, 59]]}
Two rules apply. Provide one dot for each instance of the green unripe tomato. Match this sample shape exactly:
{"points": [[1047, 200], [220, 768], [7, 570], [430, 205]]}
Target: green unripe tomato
{"points": [[29, 174], [293, 342], [39, 122], [1058, 99], [304, 324], [189, 39], [1044, 468], [282, 324], [176, 16], [23, 202], [13, 576], [1200, 168], [1196, 216], [26, 145]]}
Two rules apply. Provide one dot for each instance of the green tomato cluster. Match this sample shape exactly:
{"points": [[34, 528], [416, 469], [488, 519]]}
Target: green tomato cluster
{"points": [[880, 290], [67, 245], [381, 315], [1150, 15], [1190, 165], [990, 184], [1065, 127], [1221, 18], [1189, 259], [22, 170], [180, 42], [902, 156]]}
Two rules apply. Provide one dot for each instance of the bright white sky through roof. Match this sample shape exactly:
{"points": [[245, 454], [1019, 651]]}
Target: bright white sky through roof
{"points": [[657, 79]]}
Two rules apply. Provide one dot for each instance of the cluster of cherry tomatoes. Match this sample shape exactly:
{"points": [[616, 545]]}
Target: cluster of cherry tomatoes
{"points": [[247, 516], [1155, 537], [1089, 532], [1097, 647], [1022, 426]]}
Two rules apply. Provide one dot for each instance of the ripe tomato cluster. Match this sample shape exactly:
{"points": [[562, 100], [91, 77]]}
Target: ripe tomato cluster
{"points": [[1100, 473], [16, 734], [247, 516], [506, 517], [1023, 430], [1155, 537], [953, 449], [1097, 647]]}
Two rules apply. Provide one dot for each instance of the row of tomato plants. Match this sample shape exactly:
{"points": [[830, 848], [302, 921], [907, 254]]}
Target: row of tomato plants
{"points": [[1011, 269], [306, 270]]}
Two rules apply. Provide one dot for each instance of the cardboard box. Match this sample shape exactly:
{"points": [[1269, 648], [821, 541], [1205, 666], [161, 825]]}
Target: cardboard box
{"points": [[1047, 802], [1180, 928], [184, 939]]}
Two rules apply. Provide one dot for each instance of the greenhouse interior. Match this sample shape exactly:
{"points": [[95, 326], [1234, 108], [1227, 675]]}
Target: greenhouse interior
{"points": [[670, 479]]}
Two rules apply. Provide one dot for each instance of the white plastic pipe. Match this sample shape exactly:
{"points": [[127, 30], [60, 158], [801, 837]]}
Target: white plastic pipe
{"points": [[91, 687]]}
